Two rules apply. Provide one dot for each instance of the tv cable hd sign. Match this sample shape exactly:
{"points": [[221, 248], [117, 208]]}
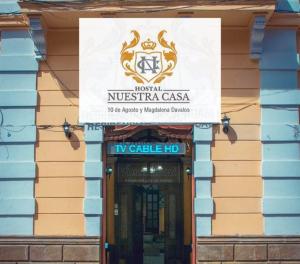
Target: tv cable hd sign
{"points": [[150, 70]]}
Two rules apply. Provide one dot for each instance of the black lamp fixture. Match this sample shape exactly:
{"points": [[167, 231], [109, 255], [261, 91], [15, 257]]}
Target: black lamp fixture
{"points": [[109, 171], [67, 129], [225, 122], [188, 171]]}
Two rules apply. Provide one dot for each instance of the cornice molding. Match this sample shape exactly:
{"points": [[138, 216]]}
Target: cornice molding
{"points": [[13, 22], [284, 20]]}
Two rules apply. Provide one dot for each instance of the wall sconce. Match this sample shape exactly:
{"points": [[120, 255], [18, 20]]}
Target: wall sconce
{"points": [[67, 129], [188, 171], [225, 122], [109, 171]]}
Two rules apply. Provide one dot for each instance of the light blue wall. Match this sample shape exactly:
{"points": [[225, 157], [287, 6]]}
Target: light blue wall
{"points": [[9, 6], [280, 131], [18, 99], [93, 135], [203, 172]]}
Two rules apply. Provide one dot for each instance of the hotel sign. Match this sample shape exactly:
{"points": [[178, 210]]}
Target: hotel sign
{"points": [[128, 148], [139, 70]]}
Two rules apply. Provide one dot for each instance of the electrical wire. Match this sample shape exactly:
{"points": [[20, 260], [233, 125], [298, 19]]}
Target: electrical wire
{"points": [[63, 84], [49, 127], [239, 109], [54, 73]]}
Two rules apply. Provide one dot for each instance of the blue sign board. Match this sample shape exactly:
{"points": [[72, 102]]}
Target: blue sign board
{"points": [[132, 148]]}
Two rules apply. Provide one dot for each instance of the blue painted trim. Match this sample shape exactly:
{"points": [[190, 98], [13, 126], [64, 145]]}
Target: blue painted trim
{"points": [[16, 188], [282, 187], [94, 151], [93, 225], [281, 151], [276, 79], [203, 226], [14, 170], [282, 225], [18, 116], [16, 225], [20, 98], [287, 6], [38, 35], [25, 63], [203, 169], [284, 132], [93, 174], [93, 206], [280, 97], [202, 132], [18, 81], [203, 206], [16, 151], [257, 35], [93, 188], [15, 134], [280, 40], [93, 133], [280, 115], [93, 169], [279, 168], [12, 206], [203, 187], [284, 61], [203, 172], [280, 50], [8, 7], [281, 205], [17, 42], [203, 151]]}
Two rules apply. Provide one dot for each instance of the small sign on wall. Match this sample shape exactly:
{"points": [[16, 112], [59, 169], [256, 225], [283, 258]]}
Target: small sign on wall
{"points": [[150, 70], [128, 148]]}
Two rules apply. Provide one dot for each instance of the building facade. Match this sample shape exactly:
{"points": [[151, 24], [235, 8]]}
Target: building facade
{"points": [[230, 197]]}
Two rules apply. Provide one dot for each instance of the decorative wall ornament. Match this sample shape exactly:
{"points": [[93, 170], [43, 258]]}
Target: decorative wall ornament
{"points": [[153, 63], [257, 36], [38, 36]]}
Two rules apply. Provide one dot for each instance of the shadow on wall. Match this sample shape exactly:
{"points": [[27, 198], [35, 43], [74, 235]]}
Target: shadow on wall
{"points": [[231, 135], [66, 81], [74, 140]]}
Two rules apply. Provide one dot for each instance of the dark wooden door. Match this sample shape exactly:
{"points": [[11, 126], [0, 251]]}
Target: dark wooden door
{"points": [[173, 222], [137, 225], [138, 216], [129, 224]]}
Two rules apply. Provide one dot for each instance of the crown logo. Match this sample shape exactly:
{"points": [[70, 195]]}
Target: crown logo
{"points": [[143, 63], [148, 45]]}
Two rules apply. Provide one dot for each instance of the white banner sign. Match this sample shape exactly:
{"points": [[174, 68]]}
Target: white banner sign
{"points": [[140, 70]]}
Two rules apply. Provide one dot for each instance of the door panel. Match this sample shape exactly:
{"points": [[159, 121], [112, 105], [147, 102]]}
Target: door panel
{"points": [[149, 225], [137, 225]]}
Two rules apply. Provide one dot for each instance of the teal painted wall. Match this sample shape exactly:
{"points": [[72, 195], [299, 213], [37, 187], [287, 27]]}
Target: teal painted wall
{"points": [[280, 134], [18, 99]]}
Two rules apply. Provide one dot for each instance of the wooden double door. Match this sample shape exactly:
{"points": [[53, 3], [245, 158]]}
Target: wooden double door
{"points": [[149, 221]]}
